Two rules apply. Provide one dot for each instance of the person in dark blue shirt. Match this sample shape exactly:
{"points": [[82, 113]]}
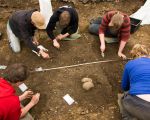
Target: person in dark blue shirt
{"points": [[136, 83]]}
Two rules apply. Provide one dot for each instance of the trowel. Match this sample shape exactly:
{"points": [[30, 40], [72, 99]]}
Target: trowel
{"points": [[102, 54]]}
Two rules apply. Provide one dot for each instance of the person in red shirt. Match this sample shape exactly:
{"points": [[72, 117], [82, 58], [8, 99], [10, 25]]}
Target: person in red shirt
{"points": [[10, 108], [113, 24]]}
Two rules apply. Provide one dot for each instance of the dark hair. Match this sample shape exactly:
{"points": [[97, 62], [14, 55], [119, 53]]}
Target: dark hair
{"points": [[64, 18], [16, 73]]}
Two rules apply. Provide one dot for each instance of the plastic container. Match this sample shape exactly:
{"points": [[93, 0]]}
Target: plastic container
{"points": [[135, 23]]}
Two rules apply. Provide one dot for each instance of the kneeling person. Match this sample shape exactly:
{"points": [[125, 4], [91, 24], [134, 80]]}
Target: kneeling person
{"points": [[65, 20], [114, 24], [136, 82], [21, 26], [10, 108]]}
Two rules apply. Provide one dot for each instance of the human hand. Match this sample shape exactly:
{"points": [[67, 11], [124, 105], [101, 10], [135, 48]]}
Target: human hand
{"points": [[44, 54], [102, 48], [35, 98], [42, 48], [35, 41], [122, 55], [56, 44], [27, 94]]}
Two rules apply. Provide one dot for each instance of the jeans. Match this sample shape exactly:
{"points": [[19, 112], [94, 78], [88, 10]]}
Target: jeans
{"points": [[94, 28], [135, 108]]}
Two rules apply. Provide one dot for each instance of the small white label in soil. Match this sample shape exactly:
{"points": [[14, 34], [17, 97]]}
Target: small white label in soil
{"points": [[23, 87], [3, 67], [68, 99]]}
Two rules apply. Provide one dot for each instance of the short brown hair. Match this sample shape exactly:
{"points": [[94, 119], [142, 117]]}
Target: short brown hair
{"points": [[139, 50], [64, 18], [16, 73]]}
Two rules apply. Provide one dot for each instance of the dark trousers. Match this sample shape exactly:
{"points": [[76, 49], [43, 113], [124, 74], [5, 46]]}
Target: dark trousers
{"points": [[94, 28], [135, 107]]}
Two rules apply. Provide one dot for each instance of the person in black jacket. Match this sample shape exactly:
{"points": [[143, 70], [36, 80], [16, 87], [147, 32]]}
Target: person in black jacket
{"points": [[21, 26], [66, 19]]}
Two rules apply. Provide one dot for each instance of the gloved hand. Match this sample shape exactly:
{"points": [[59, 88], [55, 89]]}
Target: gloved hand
{"points": [[42, 48]]}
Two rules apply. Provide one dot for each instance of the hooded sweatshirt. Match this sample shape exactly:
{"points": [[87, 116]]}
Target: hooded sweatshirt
{"points": [[9, 103]]}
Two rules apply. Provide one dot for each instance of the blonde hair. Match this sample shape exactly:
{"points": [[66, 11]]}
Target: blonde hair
{"points": [[64, 18], [116, 20], [139, 50], [38, 20]]}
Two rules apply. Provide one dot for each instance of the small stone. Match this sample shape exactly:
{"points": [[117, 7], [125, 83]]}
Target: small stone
{"points": [[88, 85]]}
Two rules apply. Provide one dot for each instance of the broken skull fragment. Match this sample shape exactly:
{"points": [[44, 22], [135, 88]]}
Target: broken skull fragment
{"points": [[87, 83]]}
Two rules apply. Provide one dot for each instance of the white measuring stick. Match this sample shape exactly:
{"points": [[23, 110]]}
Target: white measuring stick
{"points": [[70, 66]]}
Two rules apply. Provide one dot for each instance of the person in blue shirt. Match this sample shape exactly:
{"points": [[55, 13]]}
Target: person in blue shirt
{"points": [[135, 103]]}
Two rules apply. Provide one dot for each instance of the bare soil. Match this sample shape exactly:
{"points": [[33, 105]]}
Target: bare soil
{"points": [[100, 103]]}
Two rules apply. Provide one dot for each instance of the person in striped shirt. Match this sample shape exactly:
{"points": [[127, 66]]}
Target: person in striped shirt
{"points": [[113, 24]]}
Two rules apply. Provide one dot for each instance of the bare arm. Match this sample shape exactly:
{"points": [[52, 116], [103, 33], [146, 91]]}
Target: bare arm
{"points": [[25, 109], [65, 35], [121, 47], [62, 36], [102, 41], [33, 102]]}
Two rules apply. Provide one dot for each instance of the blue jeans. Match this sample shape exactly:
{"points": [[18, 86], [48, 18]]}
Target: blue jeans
{"points": [[94, 28], [135, 107]]}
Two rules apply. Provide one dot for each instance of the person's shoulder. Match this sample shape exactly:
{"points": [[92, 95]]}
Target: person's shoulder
{"points": [[134, 61], [65, 7], [72, 10], [131, 62], [110, 13], [22, 11], [126, 19]]}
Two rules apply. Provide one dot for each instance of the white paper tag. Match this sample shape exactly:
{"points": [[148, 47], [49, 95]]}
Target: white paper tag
{"points": [[23, 87], [68, 99], [3, 67]]}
